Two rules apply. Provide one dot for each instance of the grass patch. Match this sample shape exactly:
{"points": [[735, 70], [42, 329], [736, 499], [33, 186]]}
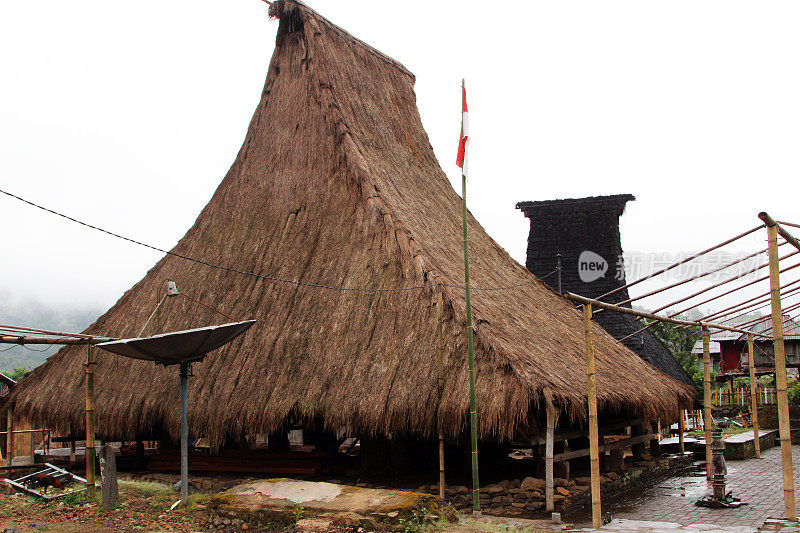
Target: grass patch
{"points": [[159, 495], [487, 525], [726, 432]]}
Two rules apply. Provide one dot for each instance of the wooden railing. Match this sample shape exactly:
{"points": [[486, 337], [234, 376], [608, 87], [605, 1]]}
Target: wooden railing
{"points": [[741, 396]]}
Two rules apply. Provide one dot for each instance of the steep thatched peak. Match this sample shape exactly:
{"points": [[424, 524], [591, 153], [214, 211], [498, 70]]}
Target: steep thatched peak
{"points": [[294, 15]]}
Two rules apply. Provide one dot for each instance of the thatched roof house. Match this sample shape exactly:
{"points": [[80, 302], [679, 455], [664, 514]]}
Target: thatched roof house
{"points": [[337, 184], [573, 225]]}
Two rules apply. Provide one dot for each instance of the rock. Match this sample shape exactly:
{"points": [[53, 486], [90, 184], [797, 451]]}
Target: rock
{"points": [[515, 483], [611, 475], [497, 499], [583, 481], [532, 483], [518, 505], [561, 482], [535, 506], [558, 498], [313, 525], [515, 491], [505, 484], [461, 489], [533, 494], [562, 491], [366, 524], [495, 489]]}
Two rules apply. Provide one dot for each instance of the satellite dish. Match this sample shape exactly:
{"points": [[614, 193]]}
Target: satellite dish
{"points": [[178, 346]]}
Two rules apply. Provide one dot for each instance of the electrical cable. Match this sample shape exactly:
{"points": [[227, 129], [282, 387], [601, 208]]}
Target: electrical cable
{"points": [[253, 274]]}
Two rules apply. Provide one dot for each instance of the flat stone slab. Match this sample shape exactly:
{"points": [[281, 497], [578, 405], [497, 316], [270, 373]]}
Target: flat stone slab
{"points": [[318, 497]]}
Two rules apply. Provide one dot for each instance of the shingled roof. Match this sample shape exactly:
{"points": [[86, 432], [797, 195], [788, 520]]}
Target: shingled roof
{"points": [[573, 225], [336, 184]]}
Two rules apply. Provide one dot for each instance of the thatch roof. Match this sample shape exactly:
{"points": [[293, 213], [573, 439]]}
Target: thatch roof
{"points": [[337, 184]]}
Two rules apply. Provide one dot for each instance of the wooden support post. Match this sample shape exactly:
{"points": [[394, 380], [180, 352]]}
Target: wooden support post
{"points": [[708, 421], [594, 450], [780, 374], [89, 445], [108, 474], [548, 458], [440, 350], [681, 430], [10, 435], [753, 397]]}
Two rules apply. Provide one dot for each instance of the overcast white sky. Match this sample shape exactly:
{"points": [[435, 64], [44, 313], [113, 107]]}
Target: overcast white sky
{"points": [[128, 116]]}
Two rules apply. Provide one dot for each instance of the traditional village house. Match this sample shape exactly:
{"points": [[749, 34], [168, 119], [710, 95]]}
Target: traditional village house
{"points": [[337, 187]]}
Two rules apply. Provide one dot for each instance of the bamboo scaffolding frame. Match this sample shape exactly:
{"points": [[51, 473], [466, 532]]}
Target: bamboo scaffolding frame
{"points": [[693, 278], [792, 267], [683, 261], [726, 281], [628, 311], [762, 298], [22, 340], [770, 222], [6, 327]]}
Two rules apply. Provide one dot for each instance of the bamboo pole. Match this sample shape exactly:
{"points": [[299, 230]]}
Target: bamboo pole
{"points": [[440, 350], [681, 430], [780, 373], [685, 260], [89, 444], [548, 458], [10, 436], [594, 450], [753, 397], [473, 411], [708, 422], [785, 234], [651, 316]]}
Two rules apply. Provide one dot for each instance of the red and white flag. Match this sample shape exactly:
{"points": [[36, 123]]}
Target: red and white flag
{"points": [[463, 142]]}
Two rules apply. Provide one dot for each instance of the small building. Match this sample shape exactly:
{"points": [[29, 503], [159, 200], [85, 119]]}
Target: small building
{"points": [[728, 350], [5, 384]]}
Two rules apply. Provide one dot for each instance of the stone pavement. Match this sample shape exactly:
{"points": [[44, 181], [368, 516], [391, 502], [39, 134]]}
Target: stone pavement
{"points": [[756, 481]]}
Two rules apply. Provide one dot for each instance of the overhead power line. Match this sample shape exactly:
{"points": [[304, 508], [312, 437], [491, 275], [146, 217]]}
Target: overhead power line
{"points": [[254, 274]]}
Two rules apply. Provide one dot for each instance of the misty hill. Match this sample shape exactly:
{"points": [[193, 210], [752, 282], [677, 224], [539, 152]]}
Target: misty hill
{"points": [[18, 311]]}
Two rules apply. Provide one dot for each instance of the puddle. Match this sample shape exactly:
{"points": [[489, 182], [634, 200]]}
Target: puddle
{"points": [[691, 486]]}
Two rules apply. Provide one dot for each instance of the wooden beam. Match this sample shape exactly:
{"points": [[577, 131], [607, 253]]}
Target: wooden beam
{"points": [[548, 458], [574, 434], [622, 443], [90, 449], [10, 437], [681, 430], [594, 453], [440, 349]]}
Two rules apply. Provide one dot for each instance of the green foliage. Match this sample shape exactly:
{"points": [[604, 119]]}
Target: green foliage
{"points": [[794, 394], [680, 341], [298, 512], [18, 372]]}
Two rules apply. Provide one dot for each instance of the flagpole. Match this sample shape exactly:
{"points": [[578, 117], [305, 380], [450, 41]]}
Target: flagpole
{"points": [[473, 417]]}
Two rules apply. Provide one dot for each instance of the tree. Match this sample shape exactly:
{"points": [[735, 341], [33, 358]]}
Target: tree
{"points": [[19, 372]]}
